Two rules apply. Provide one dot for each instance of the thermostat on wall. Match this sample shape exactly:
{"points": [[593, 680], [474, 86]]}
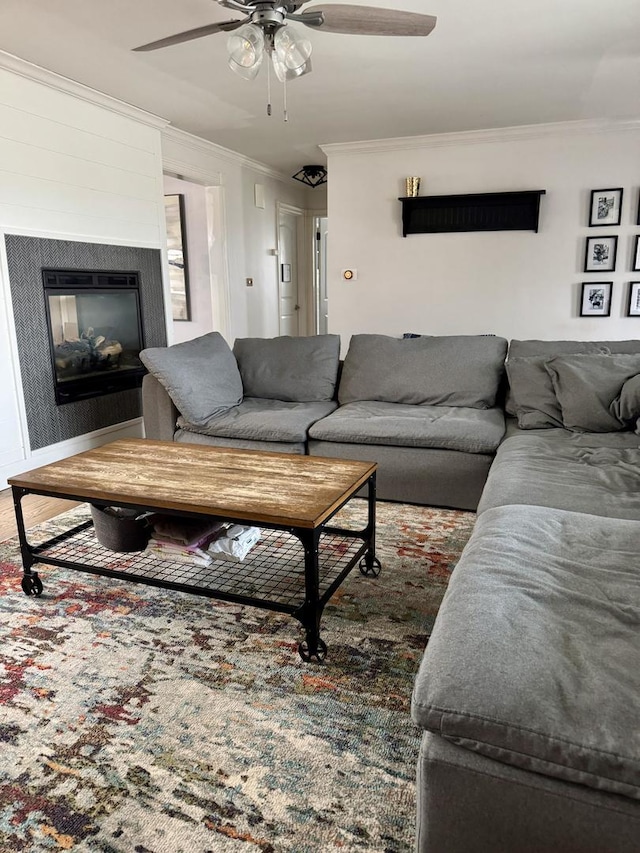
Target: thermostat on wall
{"points": [[350, 275]]}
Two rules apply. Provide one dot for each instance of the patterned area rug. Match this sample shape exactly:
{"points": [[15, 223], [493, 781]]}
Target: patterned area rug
{"points": [[137, 720]]}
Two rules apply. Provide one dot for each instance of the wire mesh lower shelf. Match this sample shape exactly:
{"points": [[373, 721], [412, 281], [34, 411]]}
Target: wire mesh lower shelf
{"points": [[271, 574]]}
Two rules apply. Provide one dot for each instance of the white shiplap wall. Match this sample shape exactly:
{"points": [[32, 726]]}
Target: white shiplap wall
{"points": [[74, 165]]}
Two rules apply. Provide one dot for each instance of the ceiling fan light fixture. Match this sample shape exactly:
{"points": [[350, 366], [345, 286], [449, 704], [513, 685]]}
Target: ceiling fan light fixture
{"points": [[266, 29], [292, 50], [312, 176], [246, 50]]}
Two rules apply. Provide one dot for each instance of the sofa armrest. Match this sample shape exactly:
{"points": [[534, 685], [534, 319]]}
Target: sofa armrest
{"points": [[158, 411]]}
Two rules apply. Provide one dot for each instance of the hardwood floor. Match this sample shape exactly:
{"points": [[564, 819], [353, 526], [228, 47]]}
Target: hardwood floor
{"points": [[35, 508]]}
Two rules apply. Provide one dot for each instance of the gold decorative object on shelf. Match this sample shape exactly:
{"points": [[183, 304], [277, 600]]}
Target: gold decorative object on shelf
{"points": [[412, 187]]}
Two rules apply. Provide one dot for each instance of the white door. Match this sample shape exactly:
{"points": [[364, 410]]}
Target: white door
{"points": [[290, 220]]}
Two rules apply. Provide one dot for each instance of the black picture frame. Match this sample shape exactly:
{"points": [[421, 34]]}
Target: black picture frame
{"points": [[636, 255], [600, 253], [177, 256], [633, 300], [595, 299], [605, 207]]}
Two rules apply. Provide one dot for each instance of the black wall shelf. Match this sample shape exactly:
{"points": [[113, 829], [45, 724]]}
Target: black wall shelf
{"points": [[510, 211]]}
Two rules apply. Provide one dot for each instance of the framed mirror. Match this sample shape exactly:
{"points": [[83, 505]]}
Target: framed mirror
{"points": [[177, 256]]}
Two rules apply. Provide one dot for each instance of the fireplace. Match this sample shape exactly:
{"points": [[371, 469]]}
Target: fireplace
{"points": [[95, 332]]}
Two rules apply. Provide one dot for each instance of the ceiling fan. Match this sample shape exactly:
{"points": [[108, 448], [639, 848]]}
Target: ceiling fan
{"points": [[264, 29]]}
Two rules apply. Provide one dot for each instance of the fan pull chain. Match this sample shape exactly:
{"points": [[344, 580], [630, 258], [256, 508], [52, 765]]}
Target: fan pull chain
{"points": [[284, 89], [269, 86]]}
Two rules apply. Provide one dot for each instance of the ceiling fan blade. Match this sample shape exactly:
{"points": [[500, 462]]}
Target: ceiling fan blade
{"points": [[371, 21], [198, 32]]}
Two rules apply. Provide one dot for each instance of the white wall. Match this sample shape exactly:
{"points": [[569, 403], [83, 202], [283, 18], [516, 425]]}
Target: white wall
{"points": [[74, 165], [516, 284], [249, 232]]}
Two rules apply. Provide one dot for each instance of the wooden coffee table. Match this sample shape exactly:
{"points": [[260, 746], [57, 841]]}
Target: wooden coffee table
{"points": [[299, 563]]}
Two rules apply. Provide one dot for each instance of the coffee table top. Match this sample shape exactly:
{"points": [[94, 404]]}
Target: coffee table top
{"points": [[276, 488]]}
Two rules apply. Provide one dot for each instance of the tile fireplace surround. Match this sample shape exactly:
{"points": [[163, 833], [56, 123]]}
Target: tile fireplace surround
{"points": [[47, 422]]}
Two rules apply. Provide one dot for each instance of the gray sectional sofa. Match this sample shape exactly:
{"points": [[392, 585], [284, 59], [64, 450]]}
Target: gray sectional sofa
{"points": [[425, 408], [529, 689], [528, 693]]}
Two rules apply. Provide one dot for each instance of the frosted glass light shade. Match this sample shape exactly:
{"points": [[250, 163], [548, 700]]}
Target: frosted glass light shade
{"points": [[291, 54], [246, 50]]}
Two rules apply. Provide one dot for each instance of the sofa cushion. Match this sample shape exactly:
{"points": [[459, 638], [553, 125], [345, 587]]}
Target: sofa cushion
{"points": [[533, 660], [299, 370], [201, 376], [582, 472], [548, 349], [457, 370], [263, 420], [447, 427], [588, 389]]}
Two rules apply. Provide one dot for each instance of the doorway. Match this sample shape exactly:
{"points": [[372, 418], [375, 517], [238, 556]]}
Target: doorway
{"points": [[205, 241], [291, 301]]}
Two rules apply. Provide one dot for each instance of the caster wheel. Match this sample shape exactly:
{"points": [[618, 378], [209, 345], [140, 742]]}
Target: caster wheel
{"points": [[370, 566], [319, 655], [31, 584]]}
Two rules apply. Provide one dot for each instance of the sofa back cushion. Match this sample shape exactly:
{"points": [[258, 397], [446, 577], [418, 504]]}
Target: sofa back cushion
{"points": [[296, 370], [531, 396], [201, 376], [455, 370]]}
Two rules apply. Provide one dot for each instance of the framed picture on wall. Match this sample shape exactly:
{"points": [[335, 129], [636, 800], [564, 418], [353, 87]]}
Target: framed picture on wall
{"points": [[600, 254], [595, 298], [636, 255], [177, 257], [605, 207], [633, 308]]}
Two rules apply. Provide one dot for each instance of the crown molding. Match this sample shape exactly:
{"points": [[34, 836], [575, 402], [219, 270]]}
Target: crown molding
{"points": [[187, 171], [203, 146], [483, 137], [37, 73]]}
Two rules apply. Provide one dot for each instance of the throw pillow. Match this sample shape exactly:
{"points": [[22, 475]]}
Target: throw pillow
{"points": [[533, 397], [589, 387], [295, 370], [627, 407], [549, 349], [201, 376]]}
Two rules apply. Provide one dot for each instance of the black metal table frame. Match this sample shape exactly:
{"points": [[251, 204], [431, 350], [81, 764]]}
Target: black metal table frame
{"points": [[308, 614]]}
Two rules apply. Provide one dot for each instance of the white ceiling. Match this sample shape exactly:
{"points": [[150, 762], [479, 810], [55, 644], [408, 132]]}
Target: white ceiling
{"points": [[487, 64]]}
